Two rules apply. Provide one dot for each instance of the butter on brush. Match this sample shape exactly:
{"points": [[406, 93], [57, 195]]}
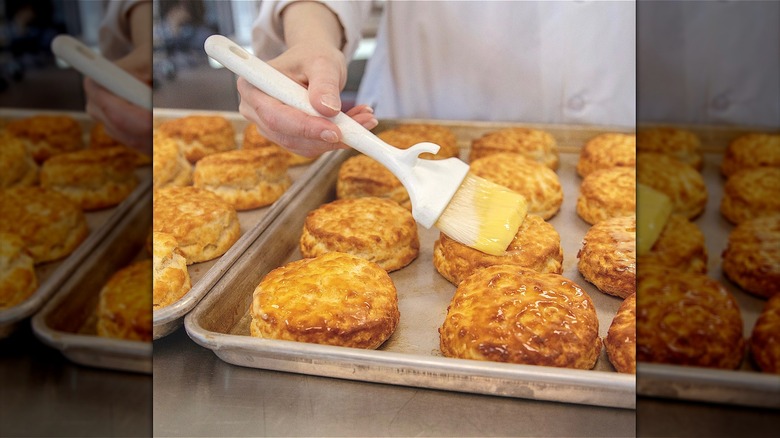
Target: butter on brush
{"points": [[473, 211], [653, 211]]}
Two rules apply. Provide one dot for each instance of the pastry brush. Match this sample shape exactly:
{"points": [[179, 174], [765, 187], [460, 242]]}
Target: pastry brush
{"points": [[467, 208]]}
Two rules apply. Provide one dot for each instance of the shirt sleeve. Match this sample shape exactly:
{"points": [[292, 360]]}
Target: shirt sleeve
{"points": [[114, 37]]}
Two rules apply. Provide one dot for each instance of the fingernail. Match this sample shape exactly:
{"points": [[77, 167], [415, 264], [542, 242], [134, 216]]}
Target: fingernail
{"points": [[329, 136], [371, 124], [331, 101]]}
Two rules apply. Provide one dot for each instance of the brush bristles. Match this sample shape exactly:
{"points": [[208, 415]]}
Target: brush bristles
{"points": [[483, 215]]}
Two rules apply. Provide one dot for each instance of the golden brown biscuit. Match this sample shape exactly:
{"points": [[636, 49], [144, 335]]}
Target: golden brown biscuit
{"points": [[765, 338], [536, 246], [504, 313], [361, 176], [539, 184], [535, 144], [200, 135], [751, 193], [17, 273], [202, 223], [92, 178], [245, 178], [680, 246], [407, 135], [171, 279], [51, 225], [375, 229], [169, 167], [608, 256], [19, 169], [125, 306], [752, 257], [333, 299], [99, 139], [751, 150], [607, 193], [685, 318], [680, 144], [254, 140], [620, 342], [680, 182], [47, 135], [611, 149]]}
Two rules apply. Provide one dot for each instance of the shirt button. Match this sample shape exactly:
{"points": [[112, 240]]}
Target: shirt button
{"points": [[576, 103], [720, 102]]}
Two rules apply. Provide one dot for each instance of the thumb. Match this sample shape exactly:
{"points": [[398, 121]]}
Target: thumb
{"points": [[325, 81]]}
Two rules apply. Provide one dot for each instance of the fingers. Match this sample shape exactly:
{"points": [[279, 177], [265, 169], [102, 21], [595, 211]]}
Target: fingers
{"points": [[325, 87], [123, 121]]}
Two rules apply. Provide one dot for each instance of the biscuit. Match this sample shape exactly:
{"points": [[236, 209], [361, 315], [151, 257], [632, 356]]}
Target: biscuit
{"points": [[752, 256], [171, 279], [536, 246], [47, 135], [200, 135], [751, 150], [751, 193], [169, 167], [245, 178], [19, 169], [254, 140], [202, 223], [539, 184], [685, 318], [17, 273], [680, 245], [92, 178], [607, 193], [680, 144], [334, 299], [765, 337], [375, 229], [535, 144], [608, 256], [99, 139], [620, 342], [361, 176], [50, 224], [407, 135], [504, 313], [611, 149], [125, 305], [680, 182]]}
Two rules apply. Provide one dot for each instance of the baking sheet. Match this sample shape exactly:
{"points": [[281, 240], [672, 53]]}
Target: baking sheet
{"points": [[204, 274], [411, 356], [52, 274]]}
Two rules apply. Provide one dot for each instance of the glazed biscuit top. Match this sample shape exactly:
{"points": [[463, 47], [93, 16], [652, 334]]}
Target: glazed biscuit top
{"points": [[209, 130], [61, 132]]}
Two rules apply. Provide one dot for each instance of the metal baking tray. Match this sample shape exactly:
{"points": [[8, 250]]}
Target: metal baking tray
{"points": [[746, 386], [203, 275], [411, 356], [67, 321], [53, 274]]}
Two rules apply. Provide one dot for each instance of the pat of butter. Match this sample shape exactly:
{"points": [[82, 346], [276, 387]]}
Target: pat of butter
{"points": [[653, 211]]}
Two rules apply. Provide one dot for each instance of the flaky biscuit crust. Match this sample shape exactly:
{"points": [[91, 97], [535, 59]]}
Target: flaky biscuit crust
{"points": [[751, 150], [375, 229], [406, 135], [362, 176], [245, 178], [504, 313], [202, 223], [620, 342], [17, 273], [171, 279], [99, 139], [752, 256], [751, 193], [680, 246], [19, 169], [765, 338], [611, 149], [51, 225], [200, 135], [125, 309], [92, 178], [677, 143], [536, 246], [539, 184], [535, 144], [608, 256], [334, 299], [607, 193], [685, 318], [254, 140], [47, 135], [679, 181], [169, 167]]}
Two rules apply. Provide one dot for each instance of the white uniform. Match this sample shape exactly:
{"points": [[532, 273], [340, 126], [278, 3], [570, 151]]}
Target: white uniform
{"points": [[114, 33]]}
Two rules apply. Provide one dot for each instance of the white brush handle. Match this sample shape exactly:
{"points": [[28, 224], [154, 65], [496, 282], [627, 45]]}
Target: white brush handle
{"points": [[103, 71]]}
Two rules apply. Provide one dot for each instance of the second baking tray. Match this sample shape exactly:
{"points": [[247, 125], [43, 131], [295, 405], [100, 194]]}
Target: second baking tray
{"points": [[411, 356]]}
